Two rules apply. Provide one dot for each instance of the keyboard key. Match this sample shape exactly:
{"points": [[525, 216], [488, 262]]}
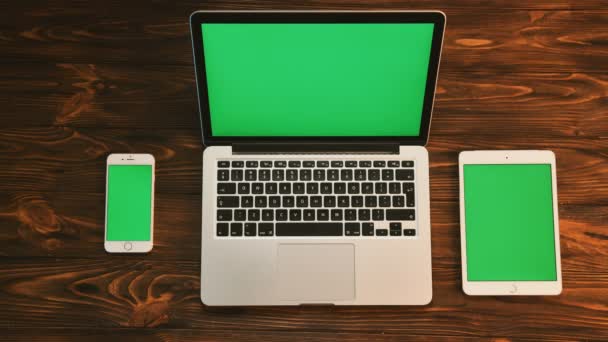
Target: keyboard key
{"points": [[408, 189], [295, 215], [379, 163], [333, 175], [373, 174], [318, 175], [326, 188], [274, 201], [367, 228], [343, 201], [281, 214], [250, 229], [253, 215], [285, 188], [356, 201], [236, 175], [371, 201], [280, 163], [301, 201], [246, 201], [226, 188], [305, 175], [387, 174], [316, 201], [393, 163], [329, 201], [312, 188], [367, 188], [378, 214], [240, 215], [257, 188], [337, 163], [223, 175], [224, 215], [228, 201], [352, 229], [237, 164], [395, 228], [365, 163], [407, 163], [364, 214], [278, 175], [267, 215], [409, 232], [294, 163], [264, 175], [360, 175], [384, 201], [346, 175], [336, 214], [350, 215], [400, 214], [350, 163], [322, 163], [309, 229], [381, 232], [339, 188], [251, 163], [322, 215], [222, 229], [291, 175], [236, 229], [298, 188], [353, 188], [398, 201], [243, 188], [402, 174], [266, 229], [309, 215], [381, 188], [266, 163], [308, 163], [288, 201], [261, 201], [223, 164], [394, 188], [271, 188]]}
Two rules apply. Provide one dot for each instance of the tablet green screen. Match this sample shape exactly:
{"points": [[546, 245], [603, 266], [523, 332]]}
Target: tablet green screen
{"points": [[509, 222], [316, 79], [129, 208]]}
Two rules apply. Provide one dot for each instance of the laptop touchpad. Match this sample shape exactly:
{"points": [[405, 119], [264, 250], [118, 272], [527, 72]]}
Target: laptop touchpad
{"points": [[316, 273]]}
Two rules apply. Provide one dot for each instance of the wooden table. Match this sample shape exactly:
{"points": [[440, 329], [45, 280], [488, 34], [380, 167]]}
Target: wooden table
{"points": [[81, 80]]}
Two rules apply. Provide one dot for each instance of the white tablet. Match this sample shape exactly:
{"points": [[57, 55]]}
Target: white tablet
{"points": [[509, 229]]}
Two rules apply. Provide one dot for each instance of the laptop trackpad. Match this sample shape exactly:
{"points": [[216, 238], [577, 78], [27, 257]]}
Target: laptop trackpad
{"points": [[316, 273]]}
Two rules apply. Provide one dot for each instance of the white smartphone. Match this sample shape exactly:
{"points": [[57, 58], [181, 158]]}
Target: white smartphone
{"points": [[129, 203], [509, 223]]}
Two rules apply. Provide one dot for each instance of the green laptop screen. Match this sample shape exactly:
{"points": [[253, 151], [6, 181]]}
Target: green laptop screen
{"points": [[347, 79], [509, 222]]}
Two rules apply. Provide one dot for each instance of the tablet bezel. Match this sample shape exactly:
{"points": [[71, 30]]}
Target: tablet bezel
{"points": [[500, 288]]}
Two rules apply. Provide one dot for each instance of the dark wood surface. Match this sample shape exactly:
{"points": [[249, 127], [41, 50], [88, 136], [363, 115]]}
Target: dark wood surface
{"points": [[80, 80]]}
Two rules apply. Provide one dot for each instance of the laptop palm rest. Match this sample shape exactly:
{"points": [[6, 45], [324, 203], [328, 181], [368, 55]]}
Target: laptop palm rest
{"points": [[316, 273]]}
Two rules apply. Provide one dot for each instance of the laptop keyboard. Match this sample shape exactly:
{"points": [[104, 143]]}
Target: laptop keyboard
{"points": [[309, 198]]}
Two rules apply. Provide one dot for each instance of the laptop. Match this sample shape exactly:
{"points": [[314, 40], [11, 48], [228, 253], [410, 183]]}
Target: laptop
{"points": [[315, 176]]}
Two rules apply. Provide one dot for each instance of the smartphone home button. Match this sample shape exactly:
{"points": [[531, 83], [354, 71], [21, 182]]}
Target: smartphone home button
{"points": [[128, 246]]}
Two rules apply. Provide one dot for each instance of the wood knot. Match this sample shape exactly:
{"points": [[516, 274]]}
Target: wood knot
{"points": [[150, 314]]}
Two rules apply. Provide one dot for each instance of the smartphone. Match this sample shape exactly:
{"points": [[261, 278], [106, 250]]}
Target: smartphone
{"points": [[129, 203]]}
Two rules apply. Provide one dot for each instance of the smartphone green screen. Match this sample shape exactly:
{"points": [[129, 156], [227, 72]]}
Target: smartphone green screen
{"points": [[509, 222], [129, 202], [317, 79]]}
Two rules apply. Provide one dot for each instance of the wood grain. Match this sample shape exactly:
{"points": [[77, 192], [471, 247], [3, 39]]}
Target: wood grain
{"points": [[522, 40]]}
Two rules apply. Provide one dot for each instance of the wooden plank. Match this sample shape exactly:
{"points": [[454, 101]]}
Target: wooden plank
{"points": [[477, 38], [60, 159], [130, 292], [71, 224], [212, 334], [119, 96]]}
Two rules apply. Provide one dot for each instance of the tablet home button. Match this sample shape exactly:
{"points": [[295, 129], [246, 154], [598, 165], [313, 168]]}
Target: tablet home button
{"points": [[513, 289], [128, 246]]}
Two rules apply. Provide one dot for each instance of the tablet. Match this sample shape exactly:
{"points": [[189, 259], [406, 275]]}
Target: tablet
{"points": [[508, 223]]}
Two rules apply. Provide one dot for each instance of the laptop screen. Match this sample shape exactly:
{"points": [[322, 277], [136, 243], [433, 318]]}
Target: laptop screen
{"points": [[316, 79]]}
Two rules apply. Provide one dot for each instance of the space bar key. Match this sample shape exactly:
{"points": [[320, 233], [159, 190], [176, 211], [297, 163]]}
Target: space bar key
{"points": [[309, 229]]}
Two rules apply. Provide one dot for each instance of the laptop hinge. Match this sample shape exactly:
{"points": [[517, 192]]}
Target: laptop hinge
{"points": [[324, 148]]}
